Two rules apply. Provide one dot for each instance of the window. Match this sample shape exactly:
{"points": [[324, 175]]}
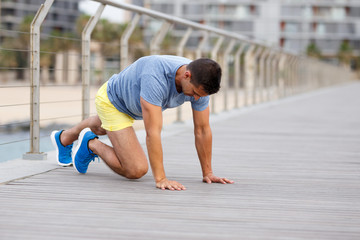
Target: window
{"points": [[292, 27], [9, 26], [320, 29], [230, 9], [193, 9], [354, 12], [242, 26], [155, 25], [322, 11], [213, 9], [290, 11], [328, 45], [347, 28], [355, 44], [75, 6], [164, 8], [241, 12], [8, 12], [307, 12], [292, 44], [338, 13]]}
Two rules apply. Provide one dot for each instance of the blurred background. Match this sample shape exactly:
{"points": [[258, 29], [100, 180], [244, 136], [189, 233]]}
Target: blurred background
{"points": [[328, 30]]}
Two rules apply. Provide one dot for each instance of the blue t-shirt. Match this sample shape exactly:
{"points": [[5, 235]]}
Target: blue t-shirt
{"points": [[153, 79]]}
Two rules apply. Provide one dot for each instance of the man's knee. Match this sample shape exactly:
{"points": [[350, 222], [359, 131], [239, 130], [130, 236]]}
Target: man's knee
{"points": [[95, 126], [98, 130], [137, 172]]}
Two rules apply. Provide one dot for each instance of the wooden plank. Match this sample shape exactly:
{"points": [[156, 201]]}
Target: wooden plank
{"points": [[296, 167]]}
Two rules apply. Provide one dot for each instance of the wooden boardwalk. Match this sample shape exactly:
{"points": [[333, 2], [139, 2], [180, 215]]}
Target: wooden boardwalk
{"points": [[296, 164]]}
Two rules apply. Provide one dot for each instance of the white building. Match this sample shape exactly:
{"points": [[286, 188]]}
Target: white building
{"points": [[62, 15], [291, 24]]}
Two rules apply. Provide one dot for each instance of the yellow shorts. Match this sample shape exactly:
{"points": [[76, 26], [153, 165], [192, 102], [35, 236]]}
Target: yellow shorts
{"points": [[111, 118]]}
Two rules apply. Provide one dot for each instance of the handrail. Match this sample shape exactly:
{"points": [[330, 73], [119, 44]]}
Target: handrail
{"points": [[188, 23]]}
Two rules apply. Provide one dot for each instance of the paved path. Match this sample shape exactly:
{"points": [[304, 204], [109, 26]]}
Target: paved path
{"points": [[296, 163]]}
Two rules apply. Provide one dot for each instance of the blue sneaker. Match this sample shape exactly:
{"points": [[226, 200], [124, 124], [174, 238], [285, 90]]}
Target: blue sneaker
{"points": [[63, 153], [83, 155]]}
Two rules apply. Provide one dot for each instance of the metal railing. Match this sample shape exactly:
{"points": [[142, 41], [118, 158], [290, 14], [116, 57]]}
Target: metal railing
{"points": [[253, 72], [59, 88]]}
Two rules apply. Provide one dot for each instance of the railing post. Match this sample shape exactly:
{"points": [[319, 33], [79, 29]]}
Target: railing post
{"points": [[304, 80], [295, 86], [34, 153], [268, 77], [274, 66], [184, 39], [262, 73], [320, 75], [216, 48], [304, 84], [180, 52], [277, 77], [124, 42], [287, 79], [214, 53], [201, 44], [85, 48], [313, 74], [249, 73], [309, 75], [159, 37], [286, 73], [284, 68], [227, 52], [256, 73], [293, 75], [237, 67]]}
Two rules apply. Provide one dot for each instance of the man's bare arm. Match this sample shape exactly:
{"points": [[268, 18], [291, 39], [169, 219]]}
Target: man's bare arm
{"points": [[203, 143], [152, 116]]}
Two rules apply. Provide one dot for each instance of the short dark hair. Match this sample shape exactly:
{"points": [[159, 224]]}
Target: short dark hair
{"points": [[206, 73]]}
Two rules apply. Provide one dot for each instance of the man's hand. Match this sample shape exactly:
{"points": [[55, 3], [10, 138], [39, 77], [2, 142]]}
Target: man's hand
{"points": [[171, 185], [211, 178]]}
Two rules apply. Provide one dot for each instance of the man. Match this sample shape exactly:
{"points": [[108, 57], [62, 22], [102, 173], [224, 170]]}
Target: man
{"points": [[142, 91]]}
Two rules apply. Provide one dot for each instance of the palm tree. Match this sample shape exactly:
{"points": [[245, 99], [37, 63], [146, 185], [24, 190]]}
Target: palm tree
{"points": [[19, 58], [345, 53], [107, 36], [312, 50]]}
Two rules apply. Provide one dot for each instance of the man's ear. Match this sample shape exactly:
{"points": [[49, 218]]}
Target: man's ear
{"points": [[187, 74]]}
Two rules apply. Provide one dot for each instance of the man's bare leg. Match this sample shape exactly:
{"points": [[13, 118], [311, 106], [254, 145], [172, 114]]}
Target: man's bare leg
{"points": [[67, 137], [126, 157]]}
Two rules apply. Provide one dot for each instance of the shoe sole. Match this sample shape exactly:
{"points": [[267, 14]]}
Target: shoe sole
{"points": [[81, 136], [53, 140]]}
